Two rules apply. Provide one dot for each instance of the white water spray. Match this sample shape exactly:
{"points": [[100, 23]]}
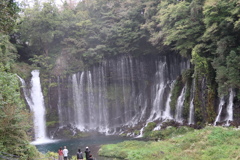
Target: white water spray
{"points": [[116, 93], [179, 106], [191, 113], [191, 107], [25, 92], [36, 103], [230, 107], [220, 106], [167, 112], [38, 109], [160, 87]]}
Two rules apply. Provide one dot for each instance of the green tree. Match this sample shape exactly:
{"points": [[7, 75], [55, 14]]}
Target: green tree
{"points": [[8, 10], [7, 53], [14, 119], [222, 41], [181, 24], [38, 27]]}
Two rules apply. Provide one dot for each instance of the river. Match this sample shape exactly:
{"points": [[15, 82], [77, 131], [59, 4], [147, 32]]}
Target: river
{"points": [[72, 145]]}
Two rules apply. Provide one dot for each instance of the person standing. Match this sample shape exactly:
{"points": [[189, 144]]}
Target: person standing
{"points": [[90, 157], [79, 155], [65, 153], [60, 154], [87, 152]]}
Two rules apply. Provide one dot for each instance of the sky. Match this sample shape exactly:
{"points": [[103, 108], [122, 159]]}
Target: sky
{"points": [[58, 2]]}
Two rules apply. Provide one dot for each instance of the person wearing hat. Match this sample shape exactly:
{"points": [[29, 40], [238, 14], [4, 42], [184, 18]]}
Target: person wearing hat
{"points": [[87, 152]]}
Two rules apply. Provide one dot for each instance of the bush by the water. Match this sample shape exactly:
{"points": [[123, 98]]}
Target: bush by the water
{"points": [[206, 144], [169, 132]]}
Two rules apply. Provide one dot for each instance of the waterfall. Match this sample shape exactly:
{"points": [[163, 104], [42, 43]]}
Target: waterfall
{"points": [[230, 107], [167, 112], [25, 92], [38, 108], [179, 105], [191, 112], [191, 107], [35, 100], [220, 106], [119, 92], [59, 104], [159, 89], [78, 100]]}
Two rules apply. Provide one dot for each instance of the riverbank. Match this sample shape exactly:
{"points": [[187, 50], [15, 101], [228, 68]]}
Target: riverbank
{"points": [[205, 144], [94, 143]]}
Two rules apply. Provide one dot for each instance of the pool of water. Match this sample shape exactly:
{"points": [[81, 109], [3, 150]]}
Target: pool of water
{"points": [[93, 143]]}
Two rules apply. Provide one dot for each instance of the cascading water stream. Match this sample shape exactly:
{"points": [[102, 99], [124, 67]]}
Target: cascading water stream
{"points": [[191, 107], [191, 113], [59, 104], [78, 100], [38, 109], [119, 92], [35, 100], [160, 86], [220, 106], [230, 108], [25, 92], [179, 105], [167, 112]]}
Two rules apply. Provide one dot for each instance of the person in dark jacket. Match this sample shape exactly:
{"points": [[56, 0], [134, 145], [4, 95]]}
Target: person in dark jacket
{"points": [[79, 155], [87, 152], [90, 157]]}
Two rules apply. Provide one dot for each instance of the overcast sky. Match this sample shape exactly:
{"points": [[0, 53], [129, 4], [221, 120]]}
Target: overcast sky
{"points": [[58, 2]]}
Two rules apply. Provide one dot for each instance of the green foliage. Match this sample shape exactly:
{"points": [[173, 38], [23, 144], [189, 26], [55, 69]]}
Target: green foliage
{"points": [[168, 132], [221, 19], [147, 130], [38, 27], [42, 62], [181, 24], [51, 123], [7, 53], [208, 143], [14, 121], [198, 113], [51, 155], [8, 15], [187, 79]]}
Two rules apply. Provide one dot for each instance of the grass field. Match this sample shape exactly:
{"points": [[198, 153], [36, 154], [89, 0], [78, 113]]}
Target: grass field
{"points": [[210, 143]]}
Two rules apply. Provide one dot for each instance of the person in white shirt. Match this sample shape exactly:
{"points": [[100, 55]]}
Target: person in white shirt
{"points": [[65, 153]]}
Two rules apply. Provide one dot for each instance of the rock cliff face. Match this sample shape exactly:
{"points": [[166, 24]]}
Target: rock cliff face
{"points": [[123, 94]]}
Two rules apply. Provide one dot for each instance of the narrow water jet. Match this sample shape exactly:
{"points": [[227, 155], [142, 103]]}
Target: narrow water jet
{"points": [[230, 108], [179, 105], [167, 112], [220, 106], [191, 107], [191, 112]]}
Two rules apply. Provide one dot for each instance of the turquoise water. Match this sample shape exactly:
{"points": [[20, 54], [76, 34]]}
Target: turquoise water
{"points": [[93, 143]]}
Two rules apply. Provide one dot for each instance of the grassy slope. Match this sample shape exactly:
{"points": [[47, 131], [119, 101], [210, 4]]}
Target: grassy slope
{"points": [[210, 143]]}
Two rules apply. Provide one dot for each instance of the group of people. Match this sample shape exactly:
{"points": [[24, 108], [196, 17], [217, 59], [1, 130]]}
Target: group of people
{"points": [[63, 154]]}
